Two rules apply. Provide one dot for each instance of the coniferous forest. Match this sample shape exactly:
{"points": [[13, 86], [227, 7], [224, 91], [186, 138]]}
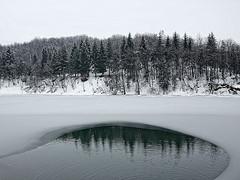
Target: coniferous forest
{"points": [[158, 61]]}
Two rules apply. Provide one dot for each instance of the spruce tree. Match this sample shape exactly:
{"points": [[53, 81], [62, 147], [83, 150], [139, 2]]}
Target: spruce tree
{"points": [[176, 42], [1, 67], [44, 58], [35, 66], [55, 63], [95, 58], [143, 55], [63, 61], [175, 64], [9, 66], [130, 44], [74, 61], [162, 64], [44, 67], [192, 57], [164, 71], [185, 42], [85, 62], [21, 69], [211, 50], [130, 57], [109, 54], [223, 59], [184, 56], [102, 59], [157, 55], [123, 63], [123, 54]]}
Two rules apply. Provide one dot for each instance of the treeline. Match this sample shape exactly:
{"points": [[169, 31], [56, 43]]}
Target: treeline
{"points": [[154, 59]]}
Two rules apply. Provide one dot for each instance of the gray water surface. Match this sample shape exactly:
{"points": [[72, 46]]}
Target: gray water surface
{"points": [[121, 153]]}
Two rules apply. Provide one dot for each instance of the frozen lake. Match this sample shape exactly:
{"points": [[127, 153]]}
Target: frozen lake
{"points": [[119, 152], [29, 122]]}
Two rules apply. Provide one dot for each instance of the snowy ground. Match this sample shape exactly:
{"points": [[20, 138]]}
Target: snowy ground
{"points": [[104, 86], [25, 119]]}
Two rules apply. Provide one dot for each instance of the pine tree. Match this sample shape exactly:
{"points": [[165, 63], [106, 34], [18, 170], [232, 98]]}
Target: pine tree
{"points": [[95, 58], [175, 41], [185, 42], [200, 61], [102, 60], [74, 61], [159, 47], [88, 49], [175, 50], [190, 44], [123, 63], [234, 60], [223, 59], [34, 59], [21, 69], [130, 59], [168, 43], [109, 54], [158, 53], [175, 63], [185, 57], [123, 55], [35, 66], [81, 44], [191, 57], [63, 61], [44, 58], [143, 55], [9, 66], [55, 63], [211, 51], [163, 75], [45, 70], [162, 64], [1, 67], [85, 62], [130, 44]]}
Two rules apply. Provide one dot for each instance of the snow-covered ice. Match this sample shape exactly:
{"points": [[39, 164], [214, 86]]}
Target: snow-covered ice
{"points": [[25, 119]]}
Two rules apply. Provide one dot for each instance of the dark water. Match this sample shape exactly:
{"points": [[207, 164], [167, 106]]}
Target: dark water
{"points": [[116, 152]]}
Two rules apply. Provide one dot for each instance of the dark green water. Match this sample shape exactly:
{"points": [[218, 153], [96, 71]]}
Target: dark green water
{"points": [[116, 152]]}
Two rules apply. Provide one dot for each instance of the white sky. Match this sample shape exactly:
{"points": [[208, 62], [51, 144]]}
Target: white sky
{"points": [[23, 20]]}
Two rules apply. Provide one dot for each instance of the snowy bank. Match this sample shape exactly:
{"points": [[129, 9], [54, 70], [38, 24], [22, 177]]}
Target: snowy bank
{"points": [[106, 86], [25, 119]]}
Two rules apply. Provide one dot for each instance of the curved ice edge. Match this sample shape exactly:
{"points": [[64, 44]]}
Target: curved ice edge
{"points": [[51, 134]]}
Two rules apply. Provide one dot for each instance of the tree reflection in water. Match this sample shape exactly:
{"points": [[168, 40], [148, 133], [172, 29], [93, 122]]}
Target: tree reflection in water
{"points": [[162, 140]]}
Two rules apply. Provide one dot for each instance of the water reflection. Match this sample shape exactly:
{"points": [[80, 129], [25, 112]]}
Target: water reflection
{"points": [[148, 140]]}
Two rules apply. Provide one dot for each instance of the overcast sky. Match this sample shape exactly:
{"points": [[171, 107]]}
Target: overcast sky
{"points": [[24, 20]]}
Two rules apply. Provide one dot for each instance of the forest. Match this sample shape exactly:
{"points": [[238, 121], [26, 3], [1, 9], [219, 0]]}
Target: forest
{"points": [[158, 61]]}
